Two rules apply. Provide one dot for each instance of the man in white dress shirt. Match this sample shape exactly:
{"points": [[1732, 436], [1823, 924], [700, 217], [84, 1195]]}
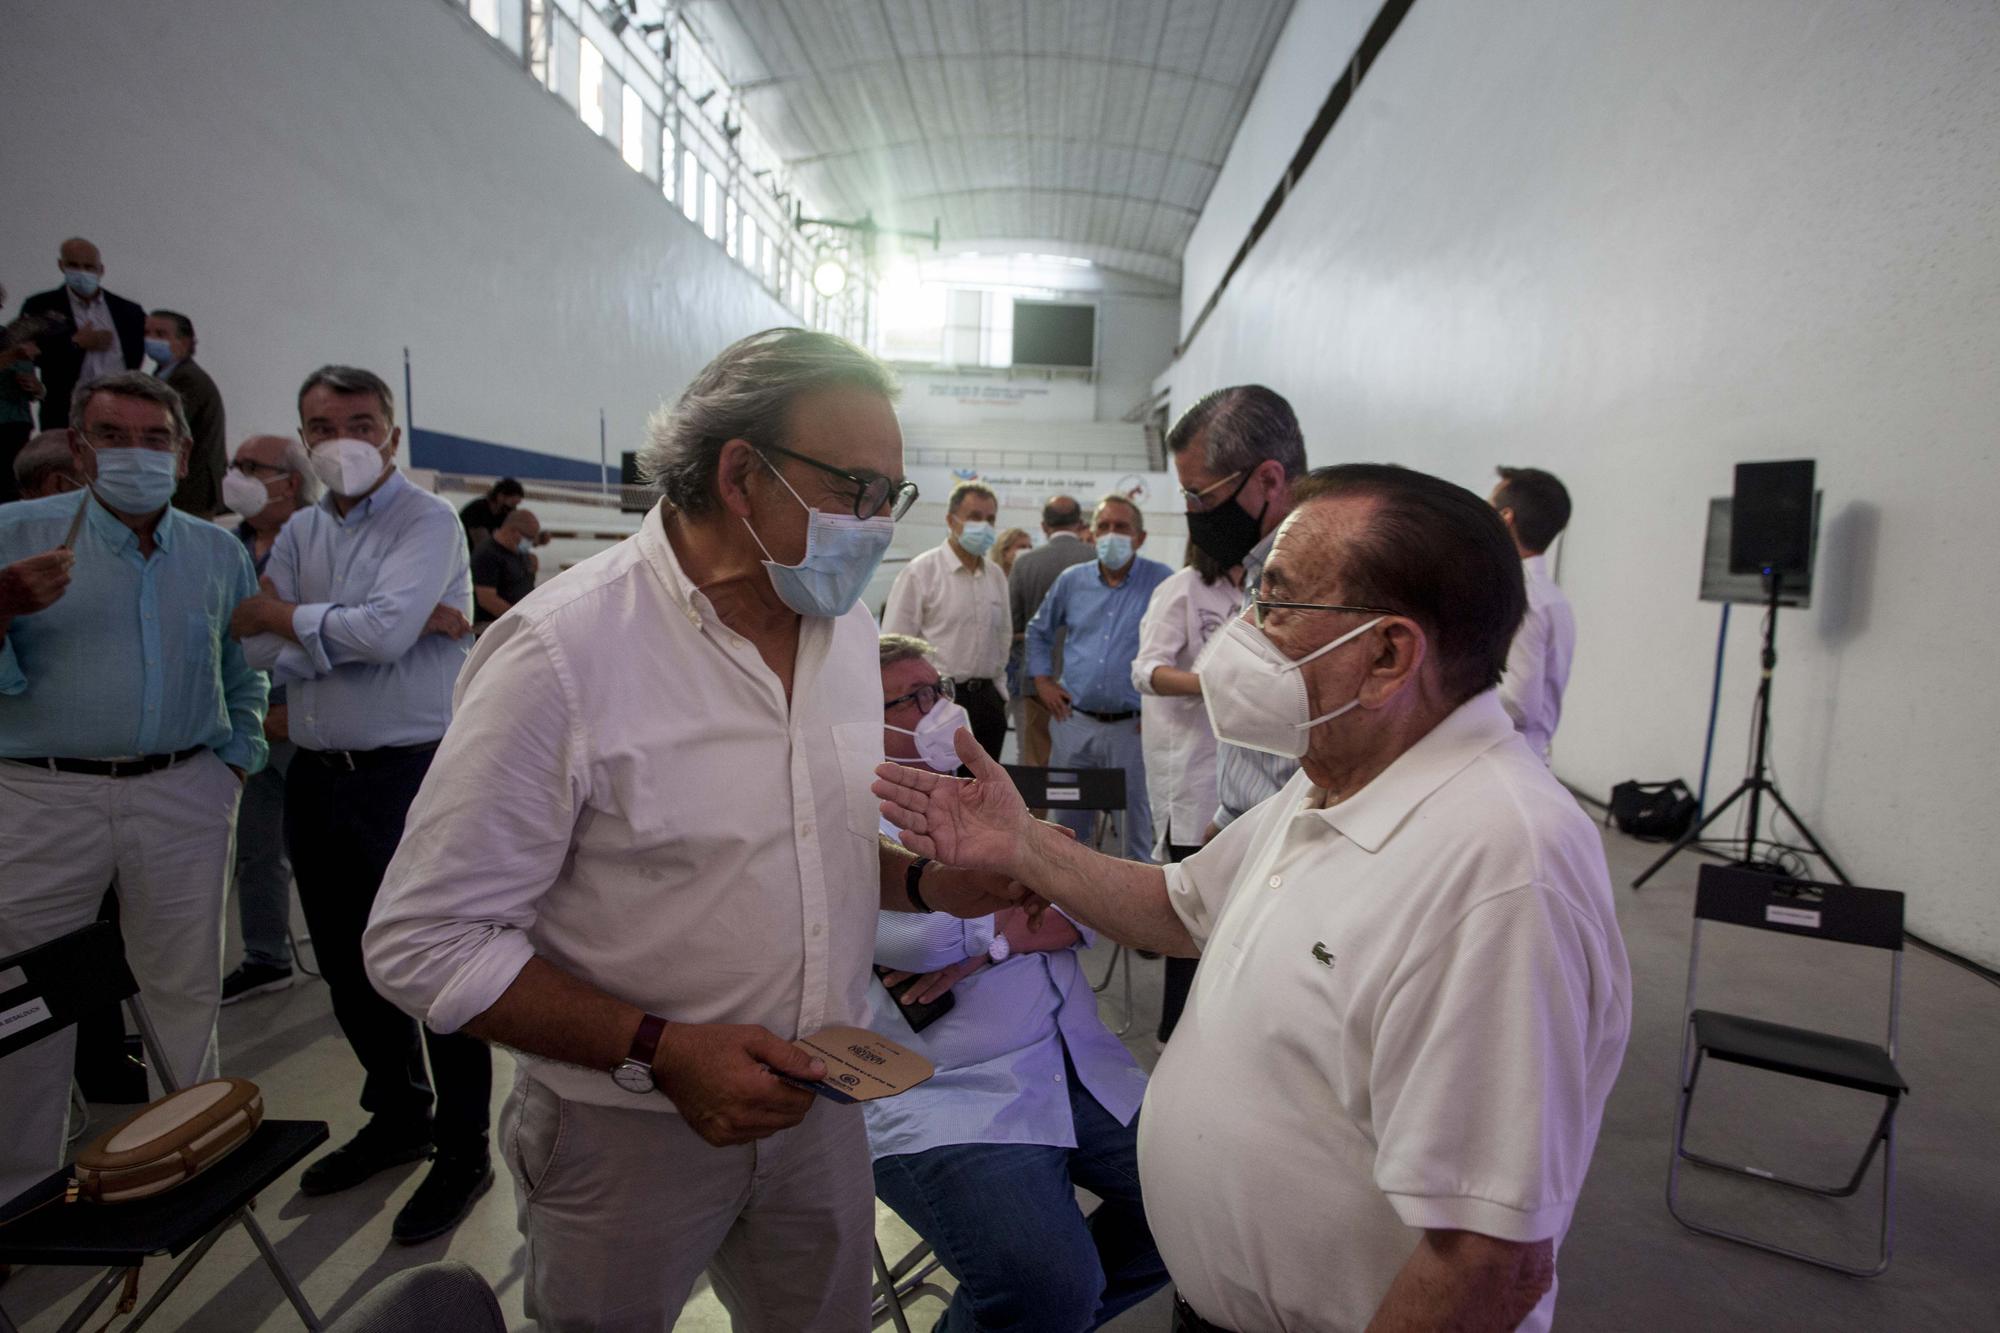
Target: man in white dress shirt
{"points": [[1381, 1102], [1033, 1096], [1535, 507], [646, 858], [955, 599]]}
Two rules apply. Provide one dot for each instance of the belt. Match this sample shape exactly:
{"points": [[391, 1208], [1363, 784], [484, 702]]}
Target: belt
{"points": [[112, 768], [353, 761], [1187, 1321], [972, 683], [1108, 717]]}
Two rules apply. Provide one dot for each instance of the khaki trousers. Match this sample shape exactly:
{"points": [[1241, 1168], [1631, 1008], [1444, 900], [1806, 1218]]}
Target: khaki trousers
{"points": [[1034, 731], [624, 1209]]}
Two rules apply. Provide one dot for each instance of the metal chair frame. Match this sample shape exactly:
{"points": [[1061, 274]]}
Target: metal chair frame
{"points": [[1716, 879], [906, 1281], [112, 1277]]}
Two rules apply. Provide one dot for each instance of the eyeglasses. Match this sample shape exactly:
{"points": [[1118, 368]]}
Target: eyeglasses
{"points": [[871, 490], [924, 696], [250, 467], [111, 437], [1259, 608], [1197, 501]]}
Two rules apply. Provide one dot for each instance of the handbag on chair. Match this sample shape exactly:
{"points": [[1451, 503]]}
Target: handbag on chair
{"points": [[169, 1141]]}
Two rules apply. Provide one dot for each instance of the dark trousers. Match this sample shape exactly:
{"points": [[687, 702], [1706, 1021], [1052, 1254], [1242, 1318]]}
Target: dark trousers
{"points": [[987, 712], [1003, 1219], [341, 828], [1187, 1321], [1180, 971]]}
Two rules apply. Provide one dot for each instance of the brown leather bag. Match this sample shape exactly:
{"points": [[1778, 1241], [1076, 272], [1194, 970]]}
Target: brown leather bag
{"points": [[169, 1141]]}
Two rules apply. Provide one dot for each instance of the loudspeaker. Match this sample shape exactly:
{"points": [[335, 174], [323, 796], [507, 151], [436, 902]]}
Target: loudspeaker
{"points": [[1771, 518], [633, 496]]}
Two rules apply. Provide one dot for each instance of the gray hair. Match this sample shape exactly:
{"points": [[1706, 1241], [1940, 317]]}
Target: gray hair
{"points": [[130, 384], [298, 462], [1239, 428], [746, 393], [1116, 498], [906, 648], [347, 380], [44, 454], [965, 488]]}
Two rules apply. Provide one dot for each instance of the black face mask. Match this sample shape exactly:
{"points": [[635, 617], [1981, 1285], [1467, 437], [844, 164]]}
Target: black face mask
{"points": [[1228, 532]]}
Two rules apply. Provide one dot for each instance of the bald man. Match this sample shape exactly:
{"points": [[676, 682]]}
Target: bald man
{"points": [[45, 466], [91, 331], [268, 481]]}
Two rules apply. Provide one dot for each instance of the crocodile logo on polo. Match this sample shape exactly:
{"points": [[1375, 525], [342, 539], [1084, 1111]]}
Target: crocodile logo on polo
{"points": [[1320, 953]]}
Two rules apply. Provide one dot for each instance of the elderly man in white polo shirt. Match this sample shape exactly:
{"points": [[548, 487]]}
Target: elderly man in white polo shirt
{"points": [[955, 599], [646, 858], [1383, 1097]]}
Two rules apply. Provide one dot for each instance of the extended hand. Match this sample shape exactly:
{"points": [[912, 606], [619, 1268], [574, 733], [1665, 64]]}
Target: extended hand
{"points": [[92, 340], [978, 823], [36, 583], [724, 1080]]}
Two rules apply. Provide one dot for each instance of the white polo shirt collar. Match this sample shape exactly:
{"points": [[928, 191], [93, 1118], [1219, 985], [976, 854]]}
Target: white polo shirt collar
{"points": [[1371, 816]]}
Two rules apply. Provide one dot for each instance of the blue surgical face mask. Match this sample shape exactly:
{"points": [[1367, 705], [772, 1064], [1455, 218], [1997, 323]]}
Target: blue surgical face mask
{"points": [[524, 546], [160, 350], [135, 481], [976, 538], [1114, 550], [842, 554], [82, 283]]}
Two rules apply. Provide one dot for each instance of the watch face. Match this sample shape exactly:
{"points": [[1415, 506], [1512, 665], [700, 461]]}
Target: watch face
{"points": [[634, 1077]]}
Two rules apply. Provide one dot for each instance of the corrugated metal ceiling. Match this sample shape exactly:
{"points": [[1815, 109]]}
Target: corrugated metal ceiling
{"points": [[1092, 128]]}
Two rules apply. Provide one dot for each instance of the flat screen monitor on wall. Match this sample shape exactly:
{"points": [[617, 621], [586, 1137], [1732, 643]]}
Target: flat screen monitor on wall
{"points": [[1055, 333]]}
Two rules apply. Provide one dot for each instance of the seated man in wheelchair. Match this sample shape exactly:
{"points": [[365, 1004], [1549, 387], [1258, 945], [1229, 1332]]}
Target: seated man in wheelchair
{"points": [[1033, 1096]]}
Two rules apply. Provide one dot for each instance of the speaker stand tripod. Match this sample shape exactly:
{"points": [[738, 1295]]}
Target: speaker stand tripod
{"points": [[1757, 784]]}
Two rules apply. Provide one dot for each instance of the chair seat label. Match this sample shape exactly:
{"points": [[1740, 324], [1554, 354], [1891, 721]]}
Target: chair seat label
{"points": [[21, 1015], [1792, 916]]}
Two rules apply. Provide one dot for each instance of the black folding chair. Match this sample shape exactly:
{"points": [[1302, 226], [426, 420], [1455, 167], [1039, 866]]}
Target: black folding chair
{"points": [[908, 1280], [1101, 790], [75, 974], [1872, 918]]}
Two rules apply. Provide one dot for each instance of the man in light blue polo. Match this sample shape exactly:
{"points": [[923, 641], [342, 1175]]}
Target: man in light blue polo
{"points": [[363, 621], [128, 720], [1094, 707]]}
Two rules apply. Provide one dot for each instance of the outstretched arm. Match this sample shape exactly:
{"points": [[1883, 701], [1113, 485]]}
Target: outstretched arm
{"points": [[982, 824]]}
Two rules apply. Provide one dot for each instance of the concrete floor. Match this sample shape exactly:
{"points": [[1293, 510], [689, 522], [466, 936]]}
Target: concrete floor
{"points": [[1625, 1265]]}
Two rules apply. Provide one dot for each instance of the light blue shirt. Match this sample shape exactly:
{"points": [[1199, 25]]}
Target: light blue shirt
{"points": [[1103, 624], [135, 658], [999, 1052], [1245, 778], [363, 674]]}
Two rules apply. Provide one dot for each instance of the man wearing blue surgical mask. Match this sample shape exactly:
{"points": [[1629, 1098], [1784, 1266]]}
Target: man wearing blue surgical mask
{"points": [[91, 331], [128, 720], [170, 342], [1094, 707], [647, 859], [955, 598]]}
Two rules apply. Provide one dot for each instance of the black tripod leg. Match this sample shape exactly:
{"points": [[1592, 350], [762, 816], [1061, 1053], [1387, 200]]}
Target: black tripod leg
{"points": [[1691, 837], [1811, 841]]}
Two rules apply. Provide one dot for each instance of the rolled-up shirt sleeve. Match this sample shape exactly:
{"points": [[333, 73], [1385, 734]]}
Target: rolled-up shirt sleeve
{"points": [[1162, 634], [925, 942], [486, 837]]}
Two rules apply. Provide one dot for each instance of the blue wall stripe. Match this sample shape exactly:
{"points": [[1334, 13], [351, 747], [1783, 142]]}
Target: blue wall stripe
{"points": [[455, 453]]}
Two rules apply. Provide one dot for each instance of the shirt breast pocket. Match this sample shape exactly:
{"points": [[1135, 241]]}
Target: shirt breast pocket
{"points": [[859, 747]]}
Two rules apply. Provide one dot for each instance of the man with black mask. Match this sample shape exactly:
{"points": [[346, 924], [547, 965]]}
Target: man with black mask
{"points": [[1238, 452]]}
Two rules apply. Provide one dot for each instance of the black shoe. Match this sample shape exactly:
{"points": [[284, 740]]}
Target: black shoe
{"points": [[454, 1184], [377, 1147], [254, 979]]}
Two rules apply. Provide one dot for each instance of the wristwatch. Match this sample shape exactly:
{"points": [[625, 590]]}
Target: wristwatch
{"points": [[635, 1072], [999, 950]]}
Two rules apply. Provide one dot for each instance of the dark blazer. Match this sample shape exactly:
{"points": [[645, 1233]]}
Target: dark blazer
{"points": [[200, 491], [1034, 572], [62, 360]]}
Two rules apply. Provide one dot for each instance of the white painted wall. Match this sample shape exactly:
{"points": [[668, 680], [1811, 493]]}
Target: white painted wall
{"points": [[332, 182], [1638, 243]]}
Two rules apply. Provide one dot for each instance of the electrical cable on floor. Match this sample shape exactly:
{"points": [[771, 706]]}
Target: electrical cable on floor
{"points": [[1985, 974]]}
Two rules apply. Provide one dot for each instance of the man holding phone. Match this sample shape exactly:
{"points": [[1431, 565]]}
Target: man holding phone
{"points": [[1033, 1095]]}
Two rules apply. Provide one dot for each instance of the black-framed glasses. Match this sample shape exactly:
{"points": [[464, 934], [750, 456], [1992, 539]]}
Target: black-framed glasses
{"points": [[871, 489], [1198, 501], [1259, 607], [925, 696], [250, 467]]}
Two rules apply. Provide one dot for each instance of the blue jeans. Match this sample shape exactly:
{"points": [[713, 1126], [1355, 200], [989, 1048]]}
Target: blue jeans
{"points": [[263, 871], [1084, 742], [1004, 1220]]}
